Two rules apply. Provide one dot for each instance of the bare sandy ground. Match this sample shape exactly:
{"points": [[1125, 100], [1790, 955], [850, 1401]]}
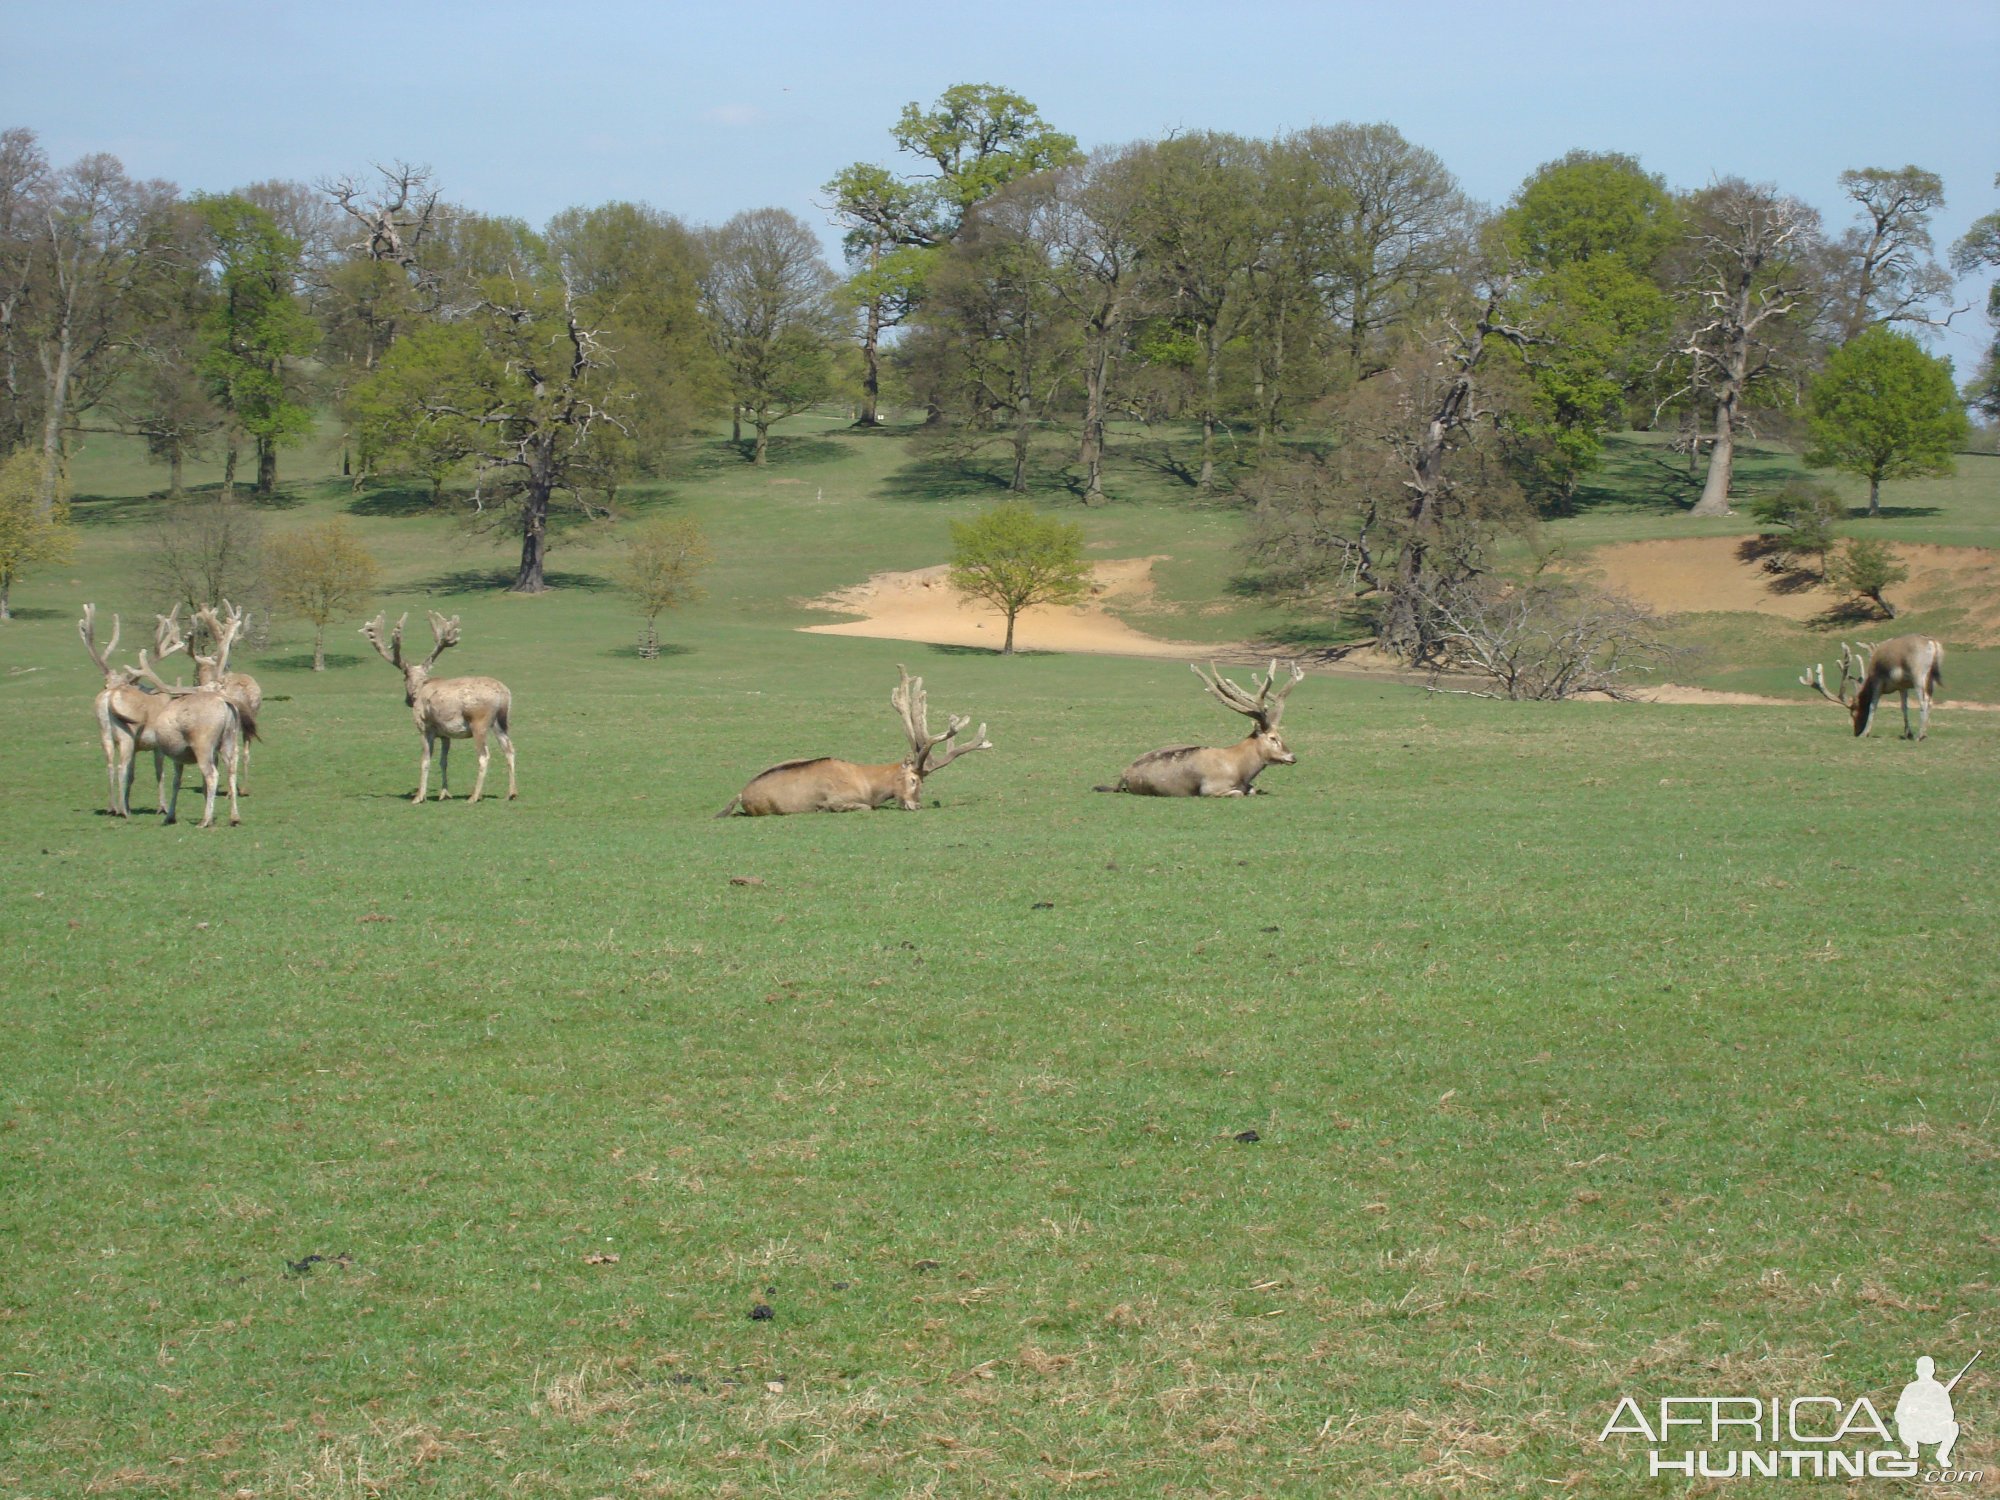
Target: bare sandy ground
{"points": [[921, 606], [1701, 574]]}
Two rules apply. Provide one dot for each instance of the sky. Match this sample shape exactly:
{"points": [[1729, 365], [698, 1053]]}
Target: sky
{"points": [[706, 109]]}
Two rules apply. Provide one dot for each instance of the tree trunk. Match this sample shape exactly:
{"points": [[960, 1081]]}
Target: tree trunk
{"points": [[1721, 464], [1211, 382], [535, 521], [267, 467], [763, 442], [319, 646], [1090, 453], [45, 500], [175, 488], [735, 424], [871, 367], [649, 643], [1874, 494], [1007, 647], [1019, 483], [6, 587], [229, 470]]}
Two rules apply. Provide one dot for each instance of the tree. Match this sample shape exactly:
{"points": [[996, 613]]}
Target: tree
{"points": [[207, 549], [887, 245], [1806, 514], [320, 573], [658, 566], [1884, 409], [29, 534], [256, 333], [1889, 271], [1747, 266], [1865, 567], [769, 296], [1015, 559], [1980, 247]]}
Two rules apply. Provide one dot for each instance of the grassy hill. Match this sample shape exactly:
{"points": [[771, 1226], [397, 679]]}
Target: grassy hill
{"points": [[366, 1149]]}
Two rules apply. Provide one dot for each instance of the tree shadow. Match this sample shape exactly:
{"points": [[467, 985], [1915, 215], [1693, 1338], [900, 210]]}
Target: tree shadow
{"points": [[1895, 512], [29, 612], [395, 502], [284, 497], [666, 649], [489, 580], [946, 477], [335, 661], [1784, 573], [1848, 613]]}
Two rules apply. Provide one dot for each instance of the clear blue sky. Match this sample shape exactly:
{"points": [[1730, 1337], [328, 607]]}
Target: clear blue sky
{"points": [[706, 109]]}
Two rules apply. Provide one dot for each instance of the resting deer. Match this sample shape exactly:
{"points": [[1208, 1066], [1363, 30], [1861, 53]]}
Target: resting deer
{"points": [[1227, 771], [1909, 663], [239, 687], [448, 708], [829, 785], [134, 705], [190, 726]]}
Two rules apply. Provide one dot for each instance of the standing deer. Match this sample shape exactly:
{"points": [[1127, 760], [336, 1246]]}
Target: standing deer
{"points": [[1227, 771], [239, 687], [190, 726], [133, 705], [448, 708], [1909, 663], [829, 785]]}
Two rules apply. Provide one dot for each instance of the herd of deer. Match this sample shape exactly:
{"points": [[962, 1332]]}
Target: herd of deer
{"points": [[211, 724]]}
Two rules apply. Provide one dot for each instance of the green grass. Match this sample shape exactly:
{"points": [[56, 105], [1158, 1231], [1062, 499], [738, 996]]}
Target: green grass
{"points": [[1593, 1049]]}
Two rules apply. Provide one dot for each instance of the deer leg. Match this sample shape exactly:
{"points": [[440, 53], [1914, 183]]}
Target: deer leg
{"points": [[444, 768], [1923, 713], [160, 776], [507, 744], [128, 763], [1907, 733], [243, 748], [424, 773], [174, 799], [479, 744], [210, 771]]}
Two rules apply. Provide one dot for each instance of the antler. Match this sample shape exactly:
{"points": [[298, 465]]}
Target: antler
{"points": [[390, 651], [1264, 708], [930, 752], [87, 628], [446, 632], [1853, 668], [224, 634], [145, 672]]}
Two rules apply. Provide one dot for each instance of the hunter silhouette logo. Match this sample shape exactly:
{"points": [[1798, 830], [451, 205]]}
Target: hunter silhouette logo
{"points": [[1811, 1436], [1924, 1414]]}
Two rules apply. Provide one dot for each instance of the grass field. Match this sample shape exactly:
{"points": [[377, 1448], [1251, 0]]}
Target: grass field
{"points": [[1590, 1050]]}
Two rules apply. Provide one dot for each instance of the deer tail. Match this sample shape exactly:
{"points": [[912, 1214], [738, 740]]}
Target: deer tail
{"points": [[734, 803], [1118, 788]]}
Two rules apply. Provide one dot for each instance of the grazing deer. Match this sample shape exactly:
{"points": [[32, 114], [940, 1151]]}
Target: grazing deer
{"points": [[239, 687], [133, 703], [190, 726], [1227, 771], [829, 785], [448, 708], [1909, 663]]}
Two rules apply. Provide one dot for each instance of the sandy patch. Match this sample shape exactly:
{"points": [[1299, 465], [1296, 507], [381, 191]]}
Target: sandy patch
{"points": [[1703, 574], [920, 605]]}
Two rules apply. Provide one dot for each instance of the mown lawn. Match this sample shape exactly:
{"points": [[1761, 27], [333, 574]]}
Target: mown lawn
{"points": [[1590, 1049]]}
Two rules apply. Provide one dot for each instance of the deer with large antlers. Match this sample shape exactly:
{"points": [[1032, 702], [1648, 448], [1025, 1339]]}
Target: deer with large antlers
{"points": [[190, 726], [448, 708], [1908, 664], [829, 785], [119, 686], [1219, 771], [239, 687]]}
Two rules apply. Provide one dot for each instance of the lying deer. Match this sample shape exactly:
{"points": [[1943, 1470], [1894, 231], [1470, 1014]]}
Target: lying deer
{"points": [[1228, 771], [448, 708], [829, 785], [190, 726], [1909, 663]]}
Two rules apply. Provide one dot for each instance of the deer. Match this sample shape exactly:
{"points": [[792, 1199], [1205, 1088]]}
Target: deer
{"points": [[134, 704], [1909, 663], [240, 687], [190, 726], [448, 708], [828, 785], [1225, 771]]}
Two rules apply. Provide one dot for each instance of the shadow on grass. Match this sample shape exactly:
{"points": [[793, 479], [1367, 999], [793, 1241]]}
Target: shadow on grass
{"points": [[335, 661], [941, 476], [1895, 512], [393, 502], [939, 648], [665, 649], [1849, 614], [488, 580], [23, 612]]}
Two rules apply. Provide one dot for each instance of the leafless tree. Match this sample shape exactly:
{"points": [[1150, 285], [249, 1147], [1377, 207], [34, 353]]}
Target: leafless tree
{"points": [[206, 549], [396, 218], [1886, 260], [1544, 640]]}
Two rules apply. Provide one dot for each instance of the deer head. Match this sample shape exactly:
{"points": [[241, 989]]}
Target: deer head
{"points": [[415, 674], [225, 631], [1855, 666], [929, 753], [1262, 709]]}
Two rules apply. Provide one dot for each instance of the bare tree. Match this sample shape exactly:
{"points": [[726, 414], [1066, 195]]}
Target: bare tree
{"points": [[396, 219], [1887, 259], [1546, 639], [206, 549], [1749, 266]]}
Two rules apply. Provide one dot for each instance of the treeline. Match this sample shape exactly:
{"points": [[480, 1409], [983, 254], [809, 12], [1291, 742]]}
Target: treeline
{"points": [[1384, 367]]}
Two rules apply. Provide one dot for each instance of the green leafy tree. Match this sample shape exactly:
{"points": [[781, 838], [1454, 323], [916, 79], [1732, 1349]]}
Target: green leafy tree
{"points": [[769, 297], [29, 532], [320, 573], [1866, 567], [1884, 409], [658, 566], [1014, 559], [256, 333], [1805, 514]]}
